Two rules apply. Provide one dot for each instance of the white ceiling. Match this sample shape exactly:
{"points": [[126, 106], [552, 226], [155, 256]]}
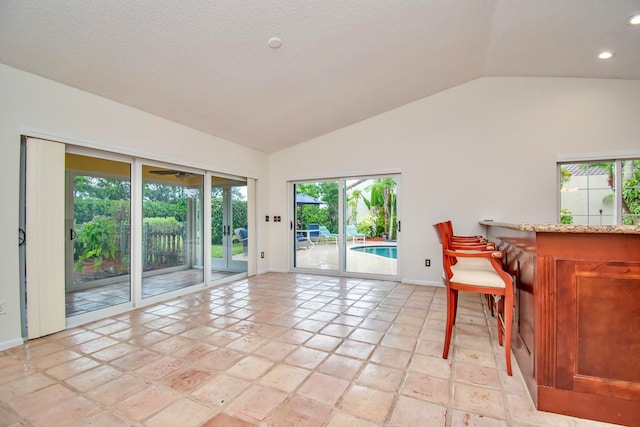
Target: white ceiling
{"points": [[207, 64]]}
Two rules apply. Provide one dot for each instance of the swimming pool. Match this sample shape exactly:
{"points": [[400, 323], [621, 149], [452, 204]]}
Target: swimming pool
{"points": [[387, 251]]}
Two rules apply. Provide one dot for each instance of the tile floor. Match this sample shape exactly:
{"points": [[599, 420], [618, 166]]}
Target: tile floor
{"points": [[273, 350]]}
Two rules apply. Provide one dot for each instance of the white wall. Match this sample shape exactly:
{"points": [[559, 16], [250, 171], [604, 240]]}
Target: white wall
{"points": [[483, 150], [28, 102]]}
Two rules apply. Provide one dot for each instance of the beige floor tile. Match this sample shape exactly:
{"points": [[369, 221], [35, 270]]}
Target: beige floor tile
{"points": [[301, 412], [425, 387], [475, 357], [135, 360], [323, 388], [341, 366], [285, 377], [414, 412], [188, 378], [479, 400], [147, 402], [72, 368], [306, 358], [22, 386], [161, 368], [433, 366], [461, 418], [368, 403], [391, 357], [107, 418], [258, 402], [344, 419], [250, 368], [184, 412], [114, 352], [91, 379], [275, 350], [41, 400], [118, 389], [69, 412], [220, 390], [477, 375], [323, 342], [220, 359], [55, 359], [359, 350], [225, 420], [380, 377]]}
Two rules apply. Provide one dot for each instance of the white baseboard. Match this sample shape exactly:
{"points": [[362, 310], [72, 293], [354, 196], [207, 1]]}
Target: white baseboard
{"points": [[5, 345], [424, 283]]}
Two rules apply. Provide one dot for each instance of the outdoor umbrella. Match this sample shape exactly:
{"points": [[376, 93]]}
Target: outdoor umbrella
{"points": [[305, 199]]}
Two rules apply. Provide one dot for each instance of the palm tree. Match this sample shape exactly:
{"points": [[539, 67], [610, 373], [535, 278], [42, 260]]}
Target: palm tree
{"points": [[383, 195]]}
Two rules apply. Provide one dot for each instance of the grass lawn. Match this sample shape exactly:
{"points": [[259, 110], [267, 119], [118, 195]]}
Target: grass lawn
{"points": [[216, 250]]}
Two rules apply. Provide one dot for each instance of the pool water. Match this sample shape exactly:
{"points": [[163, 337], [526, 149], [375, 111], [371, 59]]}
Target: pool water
{"points": [[382, 250]]}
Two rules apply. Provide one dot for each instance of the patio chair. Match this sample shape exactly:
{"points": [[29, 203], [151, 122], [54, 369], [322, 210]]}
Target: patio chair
{"points": [[243, 237], [352, 232], [314, 233], [327, 236], [302, 242]]}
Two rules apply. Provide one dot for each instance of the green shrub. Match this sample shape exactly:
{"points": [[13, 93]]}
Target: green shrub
{"points": [[96, 240], [566, 217]]}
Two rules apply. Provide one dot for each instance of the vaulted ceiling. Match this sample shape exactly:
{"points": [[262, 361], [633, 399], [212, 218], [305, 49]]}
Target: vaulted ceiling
{"points": [[209, 64]]}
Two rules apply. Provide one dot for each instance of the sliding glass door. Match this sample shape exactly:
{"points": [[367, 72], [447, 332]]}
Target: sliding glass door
{"points": [[347, 226], [107, 232]]}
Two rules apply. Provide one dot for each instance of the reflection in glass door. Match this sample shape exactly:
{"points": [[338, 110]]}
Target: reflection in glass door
{"points": [[229, 227], [98, 234], [171, 230]]}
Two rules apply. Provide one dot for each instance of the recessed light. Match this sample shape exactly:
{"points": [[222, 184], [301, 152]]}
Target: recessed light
{"points": [[275, 42], [605, 55], [634, 20]]}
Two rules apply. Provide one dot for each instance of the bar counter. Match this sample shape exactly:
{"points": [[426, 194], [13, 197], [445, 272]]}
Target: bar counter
{"points": [[576, 331]]}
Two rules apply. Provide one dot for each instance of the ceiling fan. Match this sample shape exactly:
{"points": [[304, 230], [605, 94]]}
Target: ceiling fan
{"points": [[177, 174]]}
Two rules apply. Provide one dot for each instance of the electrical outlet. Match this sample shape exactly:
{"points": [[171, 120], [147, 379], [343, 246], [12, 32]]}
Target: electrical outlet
{"points": [[3, 306], [427, 263]]}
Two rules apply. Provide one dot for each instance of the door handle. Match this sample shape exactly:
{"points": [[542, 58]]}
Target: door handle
{"points": [[399, 226], [22, 236], [72, 234]]}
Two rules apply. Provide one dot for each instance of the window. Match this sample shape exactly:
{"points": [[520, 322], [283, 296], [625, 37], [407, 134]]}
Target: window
{"points": [[603, 192]]}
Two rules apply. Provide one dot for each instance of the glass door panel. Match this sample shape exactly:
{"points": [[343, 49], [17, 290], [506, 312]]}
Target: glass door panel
{"points": [[229, 227], [316, 236], [171, 230], [98, 233], [371, 226]]}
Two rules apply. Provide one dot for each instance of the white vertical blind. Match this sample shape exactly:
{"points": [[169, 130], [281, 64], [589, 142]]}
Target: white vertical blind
{"points": [[45, 230]]}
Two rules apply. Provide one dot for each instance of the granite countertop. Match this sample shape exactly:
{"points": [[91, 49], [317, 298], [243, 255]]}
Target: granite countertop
{"points": [[566, 228]]}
